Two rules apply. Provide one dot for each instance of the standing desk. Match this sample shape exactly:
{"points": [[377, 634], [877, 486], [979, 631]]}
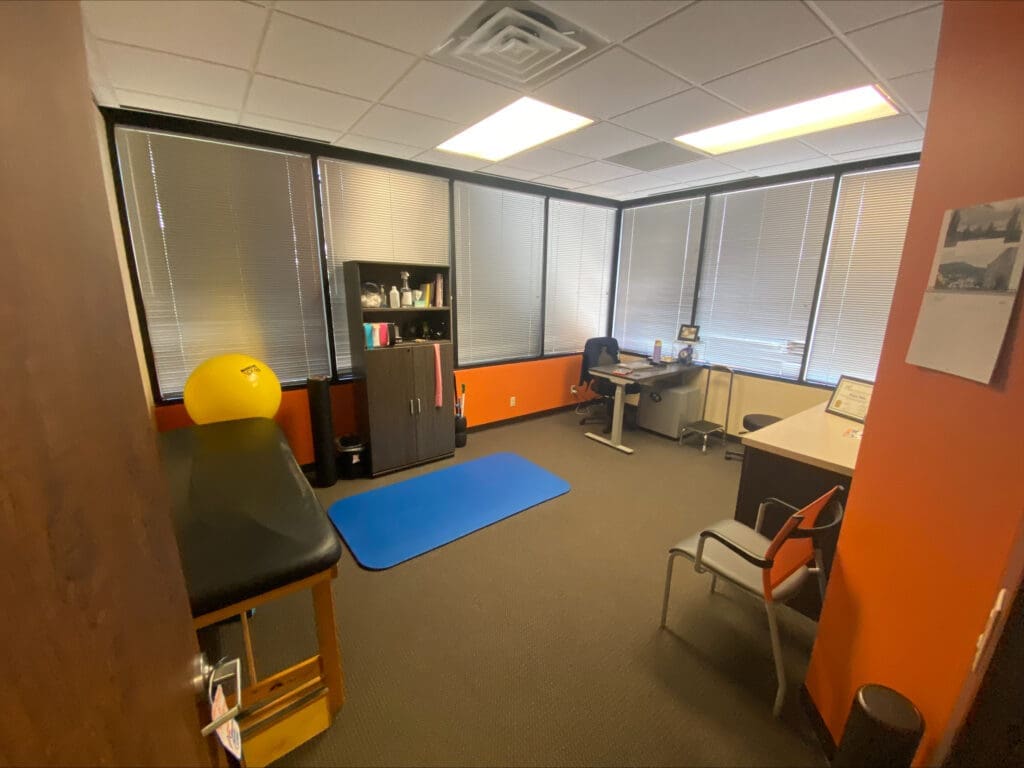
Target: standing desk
{"points": [[797, 459], [645, 377]]}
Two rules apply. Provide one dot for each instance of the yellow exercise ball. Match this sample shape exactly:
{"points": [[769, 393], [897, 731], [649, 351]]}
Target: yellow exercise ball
{"points": [[230, 387]]}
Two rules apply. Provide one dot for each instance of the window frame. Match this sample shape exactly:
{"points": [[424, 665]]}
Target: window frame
{"points": [[114, 117]]}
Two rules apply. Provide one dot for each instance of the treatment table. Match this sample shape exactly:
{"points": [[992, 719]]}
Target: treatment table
{"points": [[249, 530]]}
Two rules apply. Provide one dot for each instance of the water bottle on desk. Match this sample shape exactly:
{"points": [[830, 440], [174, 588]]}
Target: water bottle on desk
{"points": [[656, 357]]}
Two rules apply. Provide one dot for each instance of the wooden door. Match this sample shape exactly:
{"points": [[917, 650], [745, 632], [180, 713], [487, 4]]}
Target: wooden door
{"points": [[391, 406], [97, 644], [435, 426]]}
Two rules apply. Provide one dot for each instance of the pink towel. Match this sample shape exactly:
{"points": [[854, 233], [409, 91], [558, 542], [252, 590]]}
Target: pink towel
{"points": [[438, 393]]}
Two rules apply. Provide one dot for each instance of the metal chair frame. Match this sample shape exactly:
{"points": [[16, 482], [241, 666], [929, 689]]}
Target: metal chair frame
{"points": [[764, 562]]}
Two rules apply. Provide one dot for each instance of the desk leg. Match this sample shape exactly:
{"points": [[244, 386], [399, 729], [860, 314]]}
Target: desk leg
{"points": [[617, 412], [327, 640]]}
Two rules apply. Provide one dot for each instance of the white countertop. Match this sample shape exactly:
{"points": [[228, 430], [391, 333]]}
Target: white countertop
{"points": [[813, 437]]}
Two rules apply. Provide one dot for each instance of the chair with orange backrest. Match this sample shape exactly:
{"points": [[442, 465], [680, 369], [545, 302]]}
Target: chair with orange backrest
{"points": [[772, 569]]}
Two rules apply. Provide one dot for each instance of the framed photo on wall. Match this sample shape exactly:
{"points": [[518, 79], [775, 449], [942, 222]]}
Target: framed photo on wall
{"points": [[851, 398], [688, 333]]}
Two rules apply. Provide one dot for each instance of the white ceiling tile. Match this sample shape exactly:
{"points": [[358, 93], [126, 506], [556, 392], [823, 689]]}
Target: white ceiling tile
{"points": [[695, 171], [801, 165], [435, 90], [224, 32], [134, 100], [854, 14], [599, 141], [308, 53], [412, 25], [300, 103], [377, 147], [163, 74], [776, 153], [597, 172], [611, 83], [613, 21], [901, 46], [816, 71], [449, 160], [709, 40], [558, 181], [401, 127], [679, 114], [891, 150], [874, 133], [288, 128], [915, 89], [633, 183], [681, 186], [510, 171], [545, 161]]}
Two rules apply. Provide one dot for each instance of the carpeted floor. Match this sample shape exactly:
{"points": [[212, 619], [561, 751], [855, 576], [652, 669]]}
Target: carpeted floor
{"points": [[535, 642]]}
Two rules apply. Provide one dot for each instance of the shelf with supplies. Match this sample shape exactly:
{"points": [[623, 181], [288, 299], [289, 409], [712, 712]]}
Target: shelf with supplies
{"points": [[405, 355]]}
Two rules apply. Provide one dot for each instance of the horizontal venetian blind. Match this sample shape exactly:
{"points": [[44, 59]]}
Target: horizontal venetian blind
{"points": [[225, 244], [499, 260], [657, 272], [863, 259], [581, 240], [378, 214], [761, 258]]}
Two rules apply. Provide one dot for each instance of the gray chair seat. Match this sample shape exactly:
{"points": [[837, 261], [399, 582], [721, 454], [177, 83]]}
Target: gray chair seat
{"points": [[755, 421], [724, 562]]}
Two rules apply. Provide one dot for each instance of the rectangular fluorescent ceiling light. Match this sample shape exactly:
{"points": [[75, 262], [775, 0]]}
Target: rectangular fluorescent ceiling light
{"points": [[844, 108], [521, 125]]}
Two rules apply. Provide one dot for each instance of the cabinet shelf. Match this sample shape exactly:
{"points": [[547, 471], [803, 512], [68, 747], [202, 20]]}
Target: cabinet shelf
{"points": [[405, 309]]}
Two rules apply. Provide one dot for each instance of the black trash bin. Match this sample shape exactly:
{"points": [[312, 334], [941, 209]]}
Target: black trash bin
{"points": [[884, 729], [352, 457]]}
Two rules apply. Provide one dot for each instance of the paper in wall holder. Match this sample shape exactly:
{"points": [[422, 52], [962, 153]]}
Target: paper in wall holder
{"points": [[971, 290]]}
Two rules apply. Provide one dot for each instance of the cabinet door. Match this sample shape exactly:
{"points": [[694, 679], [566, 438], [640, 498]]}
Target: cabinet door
{"points": [[391, 405], [435, 426]]}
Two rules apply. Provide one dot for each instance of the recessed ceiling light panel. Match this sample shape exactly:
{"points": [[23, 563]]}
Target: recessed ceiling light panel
{"points": [[838, 109], [522, 124]]}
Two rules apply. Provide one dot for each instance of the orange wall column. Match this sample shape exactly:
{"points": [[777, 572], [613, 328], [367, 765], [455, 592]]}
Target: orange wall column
{"points": [[938, 491]]}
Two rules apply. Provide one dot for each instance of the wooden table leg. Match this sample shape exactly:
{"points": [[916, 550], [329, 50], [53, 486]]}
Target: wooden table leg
{"points": [[327, 640]]}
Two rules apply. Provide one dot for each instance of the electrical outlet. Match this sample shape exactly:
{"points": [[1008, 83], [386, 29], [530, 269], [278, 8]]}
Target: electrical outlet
{"points": [[512, 402], [574, 390]]}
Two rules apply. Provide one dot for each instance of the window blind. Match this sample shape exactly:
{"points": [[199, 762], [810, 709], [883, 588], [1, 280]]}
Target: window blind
{"points": [[863, 258], [225, 244], [581, 239], [378, 214], [658, 253], [761, 259], [499, 259]]}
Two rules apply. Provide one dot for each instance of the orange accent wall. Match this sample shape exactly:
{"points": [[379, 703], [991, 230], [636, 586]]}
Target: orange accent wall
{"points": [[937, 494], [538, 385]]}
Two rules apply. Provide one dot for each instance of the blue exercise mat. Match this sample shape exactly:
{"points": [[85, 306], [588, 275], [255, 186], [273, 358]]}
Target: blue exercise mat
{"points": [[396, 523]]}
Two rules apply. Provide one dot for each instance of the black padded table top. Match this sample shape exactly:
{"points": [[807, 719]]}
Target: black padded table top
{"points": [[246, 519]]}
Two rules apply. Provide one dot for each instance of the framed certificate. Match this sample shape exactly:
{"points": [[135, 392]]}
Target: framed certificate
{"points": [[851, 398]]}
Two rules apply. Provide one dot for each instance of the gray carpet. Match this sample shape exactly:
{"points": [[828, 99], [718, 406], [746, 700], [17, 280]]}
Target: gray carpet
{"points": [[535, 642]]}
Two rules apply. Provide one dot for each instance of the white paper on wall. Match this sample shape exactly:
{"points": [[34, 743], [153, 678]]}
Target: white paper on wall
{"points": [[971, 290]]}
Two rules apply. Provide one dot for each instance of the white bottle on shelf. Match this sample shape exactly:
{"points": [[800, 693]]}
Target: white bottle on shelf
{"points": [[395, 298]]}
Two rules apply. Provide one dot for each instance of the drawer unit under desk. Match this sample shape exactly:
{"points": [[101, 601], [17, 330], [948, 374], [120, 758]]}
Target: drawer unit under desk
{"points": [[665, 410]]}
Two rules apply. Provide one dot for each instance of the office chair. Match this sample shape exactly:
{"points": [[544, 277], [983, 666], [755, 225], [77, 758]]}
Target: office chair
{"points": [[602, 350], [703, 427], [751, 423], [772, 569]]}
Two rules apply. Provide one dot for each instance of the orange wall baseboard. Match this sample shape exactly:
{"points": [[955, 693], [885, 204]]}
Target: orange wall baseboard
{"points": [[537, 385]]}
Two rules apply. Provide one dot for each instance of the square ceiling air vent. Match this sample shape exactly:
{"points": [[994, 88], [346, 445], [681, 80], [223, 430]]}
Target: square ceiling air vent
{"points": [[517, 43]]}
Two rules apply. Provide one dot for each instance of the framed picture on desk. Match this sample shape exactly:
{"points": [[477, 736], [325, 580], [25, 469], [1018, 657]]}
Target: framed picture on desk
{"points": [[851, 398], [688, 333]]}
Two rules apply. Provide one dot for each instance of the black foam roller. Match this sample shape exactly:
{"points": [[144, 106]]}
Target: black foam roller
{"points": [[318, 389], [884, 729]]}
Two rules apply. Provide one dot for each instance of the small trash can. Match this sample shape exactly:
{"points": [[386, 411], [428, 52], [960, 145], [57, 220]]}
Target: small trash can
{"points": [[352, 459]]}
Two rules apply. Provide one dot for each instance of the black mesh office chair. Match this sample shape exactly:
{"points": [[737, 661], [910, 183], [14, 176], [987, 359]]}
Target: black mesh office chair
{"points": [[603, 350]]}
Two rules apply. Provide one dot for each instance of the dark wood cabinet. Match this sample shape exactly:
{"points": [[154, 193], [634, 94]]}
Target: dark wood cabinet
{"points": [[400, 412]]}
